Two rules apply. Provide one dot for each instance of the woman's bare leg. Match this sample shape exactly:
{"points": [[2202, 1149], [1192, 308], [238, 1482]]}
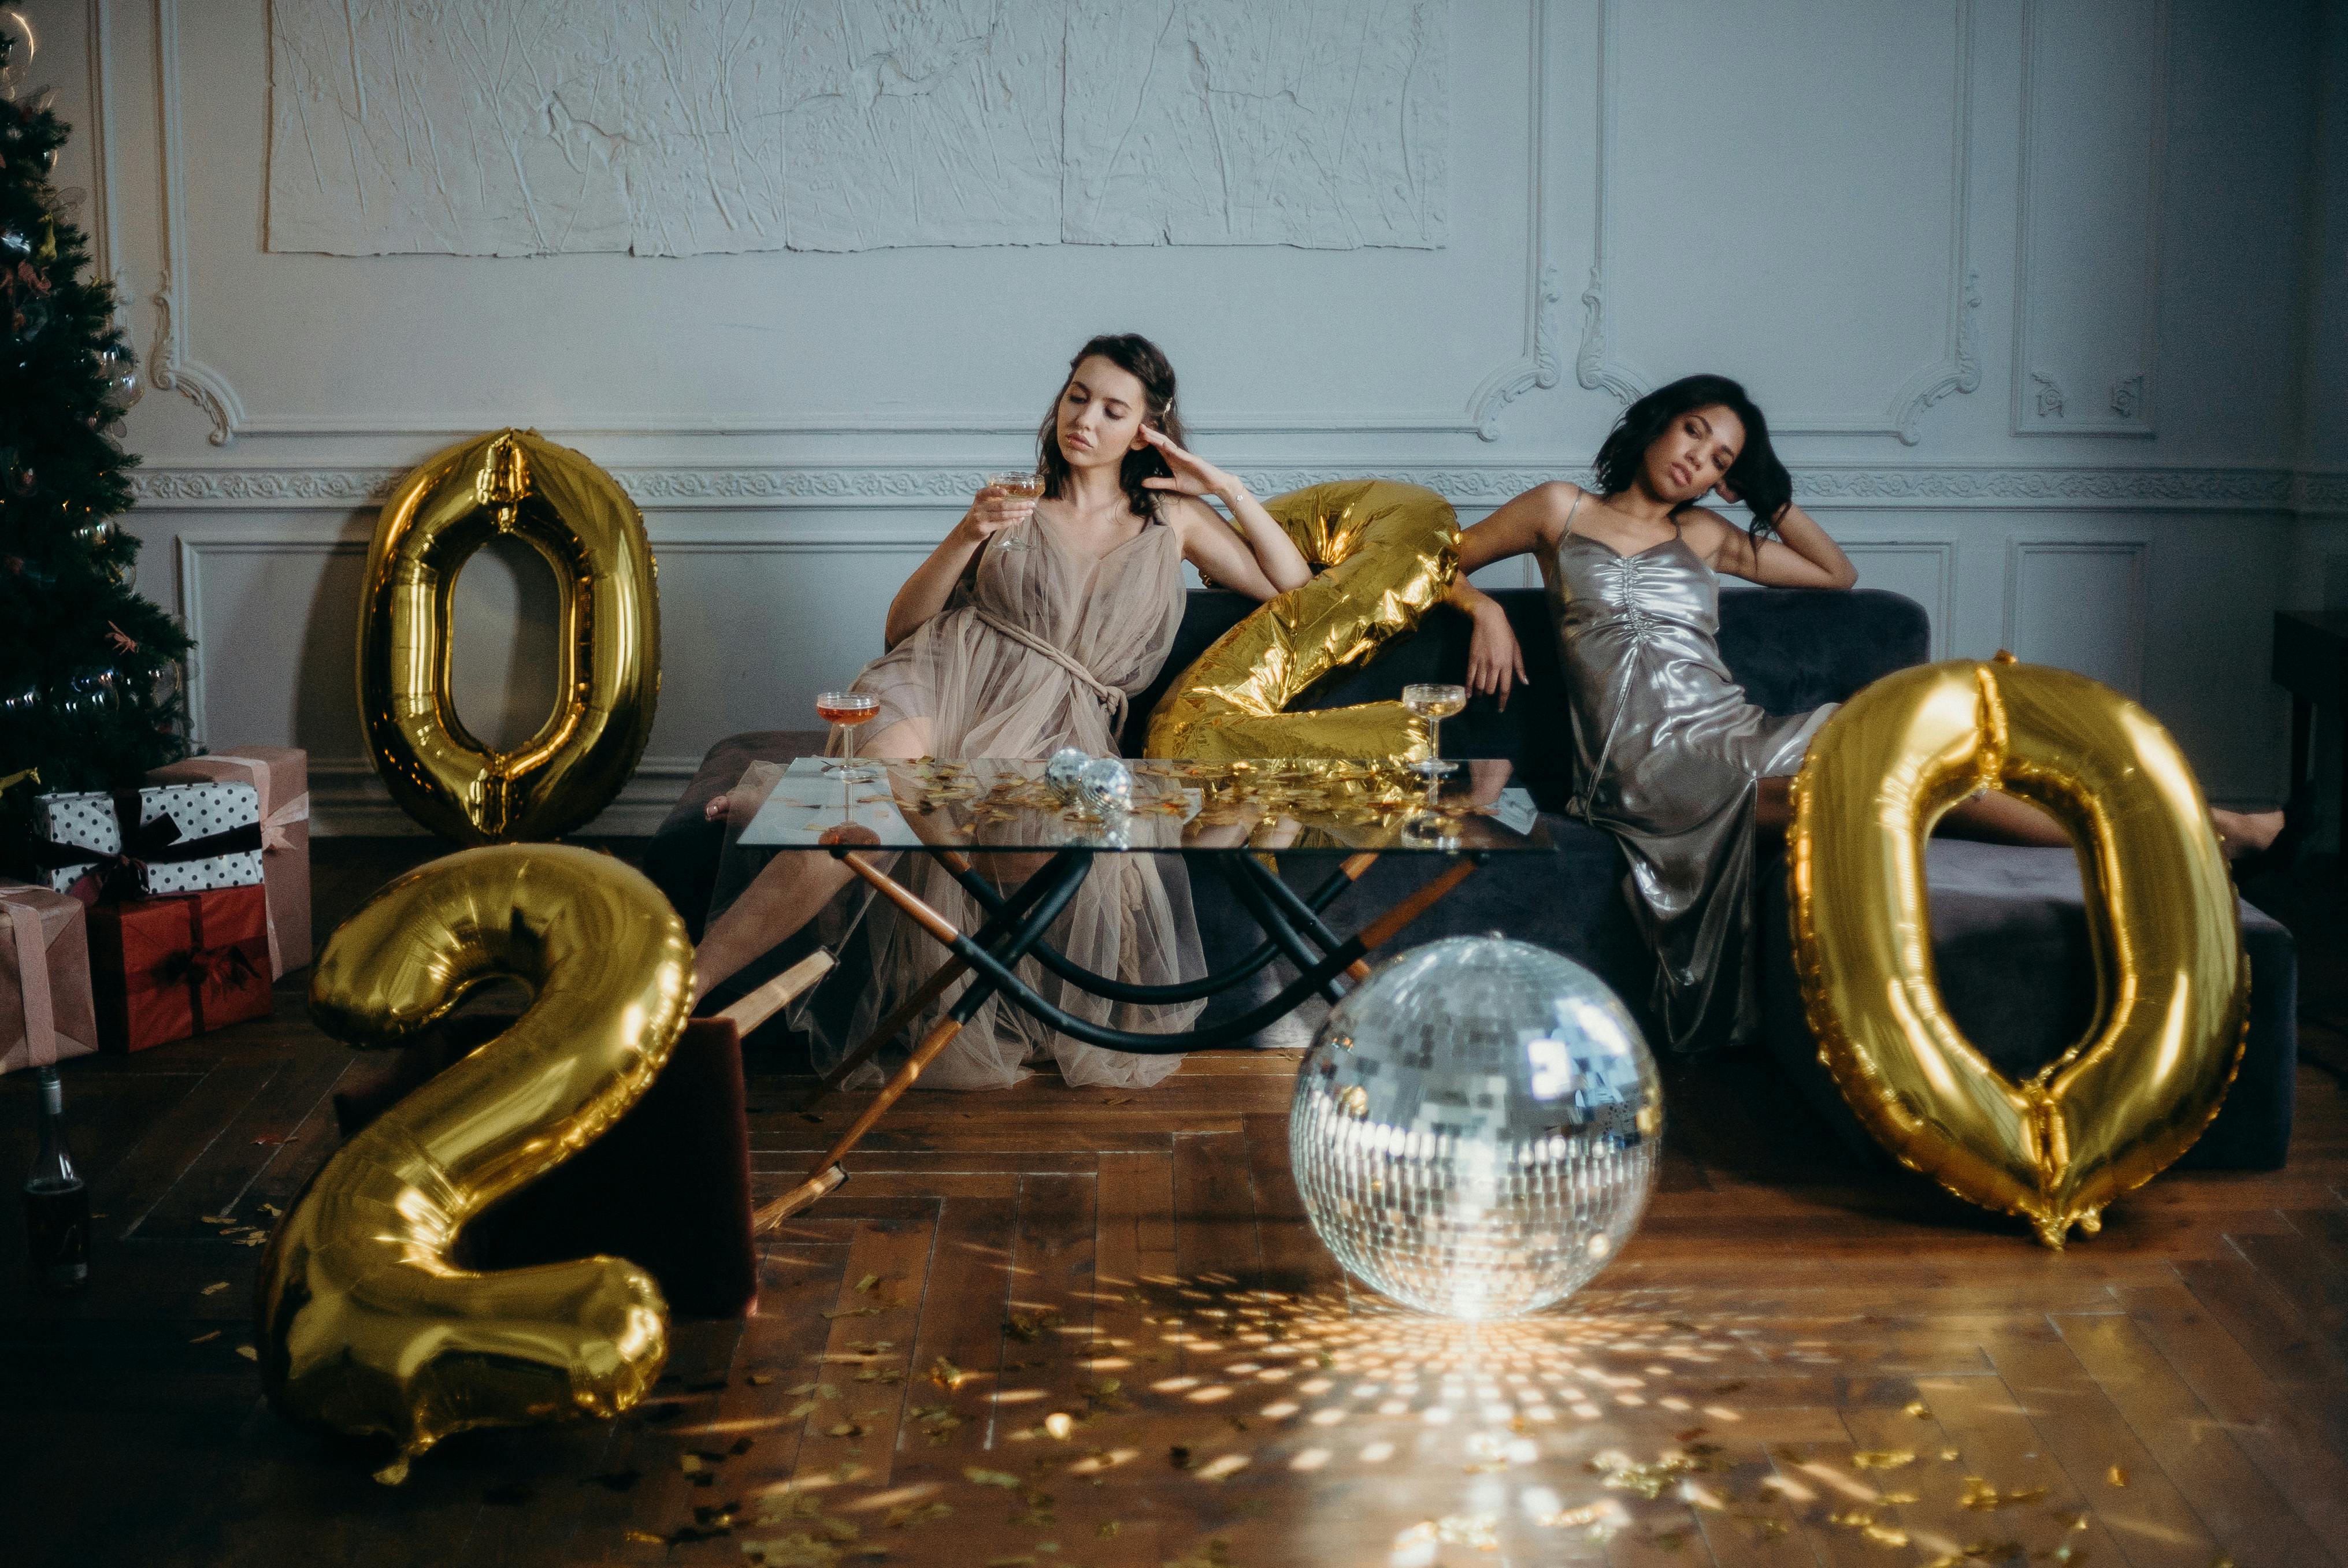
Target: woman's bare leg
{"points": [[791, 887], [1998, 818]]}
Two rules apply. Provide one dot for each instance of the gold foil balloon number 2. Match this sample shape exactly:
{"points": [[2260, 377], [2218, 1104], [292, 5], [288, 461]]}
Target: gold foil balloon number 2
{"points": [[1391, 551], [608, 653], [2116, 1108], [368, 1326]]}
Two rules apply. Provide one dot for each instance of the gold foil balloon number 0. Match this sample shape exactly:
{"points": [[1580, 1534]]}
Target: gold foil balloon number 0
{"points": [[368, 1325], [608, 654], [2116, 1108], [1390, 551]]}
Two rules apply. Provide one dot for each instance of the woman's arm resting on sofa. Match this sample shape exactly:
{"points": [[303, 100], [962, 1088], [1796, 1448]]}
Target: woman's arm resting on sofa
{"points": [[1494, 661]]}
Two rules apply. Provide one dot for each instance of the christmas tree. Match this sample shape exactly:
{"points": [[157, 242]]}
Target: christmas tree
{"points": [[83, 658]]}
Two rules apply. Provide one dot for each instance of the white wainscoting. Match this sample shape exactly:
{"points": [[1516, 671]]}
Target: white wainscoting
{"points": [[762, 606]]}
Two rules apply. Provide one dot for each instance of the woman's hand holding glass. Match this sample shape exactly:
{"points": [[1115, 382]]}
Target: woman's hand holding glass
{"points": [[999, 507]]}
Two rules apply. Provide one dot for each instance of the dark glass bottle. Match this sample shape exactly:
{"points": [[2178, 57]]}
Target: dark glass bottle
{"points": [[56, 1201]]}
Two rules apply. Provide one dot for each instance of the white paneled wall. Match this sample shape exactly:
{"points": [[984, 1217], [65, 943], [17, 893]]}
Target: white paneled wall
{"points": [[1956, 247]]}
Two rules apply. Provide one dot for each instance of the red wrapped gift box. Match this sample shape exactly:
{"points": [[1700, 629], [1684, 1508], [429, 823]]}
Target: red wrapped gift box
{"points": [[164, 968]]}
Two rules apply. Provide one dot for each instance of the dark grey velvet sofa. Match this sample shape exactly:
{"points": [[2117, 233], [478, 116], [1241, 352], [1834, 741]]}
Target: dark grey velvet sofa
{"points": [[2009, 927]]}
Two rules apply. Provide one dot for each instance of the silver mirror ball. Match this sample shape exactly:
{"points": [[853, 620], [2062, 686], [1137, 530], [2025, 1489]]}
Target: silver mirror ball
{"points": [[1477, 1128]]}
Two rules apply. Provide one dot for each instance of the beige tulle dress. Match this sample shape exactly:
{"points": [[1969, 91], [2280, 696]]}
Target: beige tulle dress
{"points": [[1040, 649]]}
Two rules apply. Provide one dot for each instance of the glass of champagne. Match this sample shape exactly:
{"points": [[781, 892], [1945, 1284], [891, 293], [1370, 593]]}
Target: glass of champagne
{"points": [[847, 709], [1019, 487], [1434, 703]]}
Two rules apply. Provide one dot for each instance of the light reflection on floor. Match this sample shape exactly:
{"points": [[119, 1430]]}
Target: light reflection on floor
{"points": [[1337, 1428]]}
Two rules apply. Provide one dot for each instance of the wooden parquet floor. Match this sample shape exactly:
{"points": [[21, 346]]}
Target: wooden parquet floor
{"points": [[1064, 1326]]}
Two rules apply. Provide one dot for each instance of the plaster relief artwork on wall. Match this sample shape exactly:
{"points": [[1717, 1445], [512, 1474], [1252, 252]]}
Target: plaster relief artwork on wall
{"points": [[519, 127]]}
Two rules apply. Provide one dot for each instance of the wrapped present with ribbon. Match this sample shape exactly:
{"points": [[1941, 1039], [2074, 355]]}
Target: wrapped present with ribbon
{"points": [[45, 1011], [162, 838], [280, 776], [166, 968]]}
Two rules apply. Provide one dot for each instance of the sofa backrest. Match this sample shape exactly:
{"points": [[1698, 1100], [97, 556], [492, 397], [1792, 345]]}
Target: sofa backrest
{"points": [[1792, 650]]}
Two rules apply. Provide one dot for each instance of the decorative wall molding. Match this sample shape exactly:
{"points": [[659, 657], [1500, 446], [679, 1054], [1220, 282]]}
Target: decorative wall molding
{"points": [[2131, 399], [2319, 490], [189, 553], [174, 365], [2048, 399], [722, 487], [2131, 555], [1541, 366], [106, 243], [171, 363], [1599, 367]]}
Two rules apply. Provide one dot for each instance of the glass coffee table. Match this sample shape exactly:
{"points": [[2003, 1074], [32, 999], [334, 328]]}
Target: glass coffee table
{"points": [[1223, 819]]}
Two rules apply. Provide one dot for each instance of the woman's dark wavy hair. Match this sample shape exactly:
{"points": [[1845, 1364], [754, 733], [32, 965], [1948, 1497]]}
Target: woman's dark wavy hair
{"points": [[1759, 479], [1140, 358]]}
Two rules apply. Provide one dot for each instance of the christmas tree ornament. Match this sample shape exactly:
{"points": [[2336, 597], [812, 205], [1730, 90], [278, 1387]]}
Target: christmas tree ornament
{"points": [[1477, 1128], [2118, 1107], [367, 1323], [508, 482]]}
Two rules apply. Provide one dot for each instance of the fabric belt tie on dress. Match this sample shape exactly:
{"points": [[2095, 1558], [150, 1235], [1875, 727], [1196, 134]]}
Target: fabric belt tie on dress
{"points": [[1111, 697]]}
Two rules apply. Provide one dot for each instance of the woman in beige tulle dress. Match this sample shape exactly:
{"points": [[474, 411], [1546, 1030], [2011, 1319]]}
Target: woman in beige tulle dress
{"points": [[1013, 653]]}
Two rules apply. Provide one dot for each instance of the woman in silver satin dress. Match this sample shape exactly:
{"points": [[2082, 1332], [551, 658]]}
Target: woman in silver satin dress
{"points": [[1671, 757]]}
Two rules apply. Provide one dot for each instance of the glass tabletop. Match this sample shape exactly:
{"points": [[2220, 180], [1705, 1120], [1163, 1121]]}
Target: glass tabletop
{"points": [[1178, 808]]}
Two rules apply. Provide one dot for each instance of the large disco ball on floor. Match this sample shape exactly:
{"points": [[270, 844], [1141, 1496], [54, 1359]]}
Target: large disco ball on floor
{"points": [[1475, 1128]]}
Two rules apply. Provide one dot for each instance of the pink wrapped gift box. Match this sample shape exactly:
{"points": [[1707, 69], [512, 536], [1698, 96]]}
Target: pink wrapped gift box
{"points": [[281, 775], [45, 1010]]}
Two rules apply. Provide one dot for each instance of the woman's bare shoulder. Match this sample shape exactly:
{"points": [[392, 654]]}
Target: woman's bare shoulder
{"points": [[1704, 531]]}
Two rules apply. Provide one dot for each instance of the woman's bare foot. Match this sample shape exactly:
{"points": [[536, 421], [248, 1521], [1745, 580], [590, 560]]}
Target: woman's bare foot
{"points": [[2241, 832]]}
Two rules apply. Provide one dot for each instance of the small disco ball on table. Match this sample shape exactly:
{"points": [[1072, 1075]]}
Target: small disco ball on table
{"points": [[1475, 1128]]}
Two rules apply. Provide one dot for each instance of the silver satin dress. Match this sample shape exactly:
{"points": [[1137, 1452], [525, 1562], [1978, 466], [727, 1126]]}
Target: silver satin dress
{"points": [[1670, 757]]}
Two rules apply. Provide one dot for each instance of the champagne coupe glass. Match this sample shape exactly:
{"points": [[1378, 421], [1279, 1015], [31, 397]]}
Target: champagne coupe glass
{"points": [[847, 709], [1019, 487], [1434, 703]]}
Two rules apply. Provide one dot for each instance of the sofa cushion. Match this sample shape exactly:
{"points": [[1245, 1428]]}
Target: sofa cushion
{"points": [[2017, 975]]}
